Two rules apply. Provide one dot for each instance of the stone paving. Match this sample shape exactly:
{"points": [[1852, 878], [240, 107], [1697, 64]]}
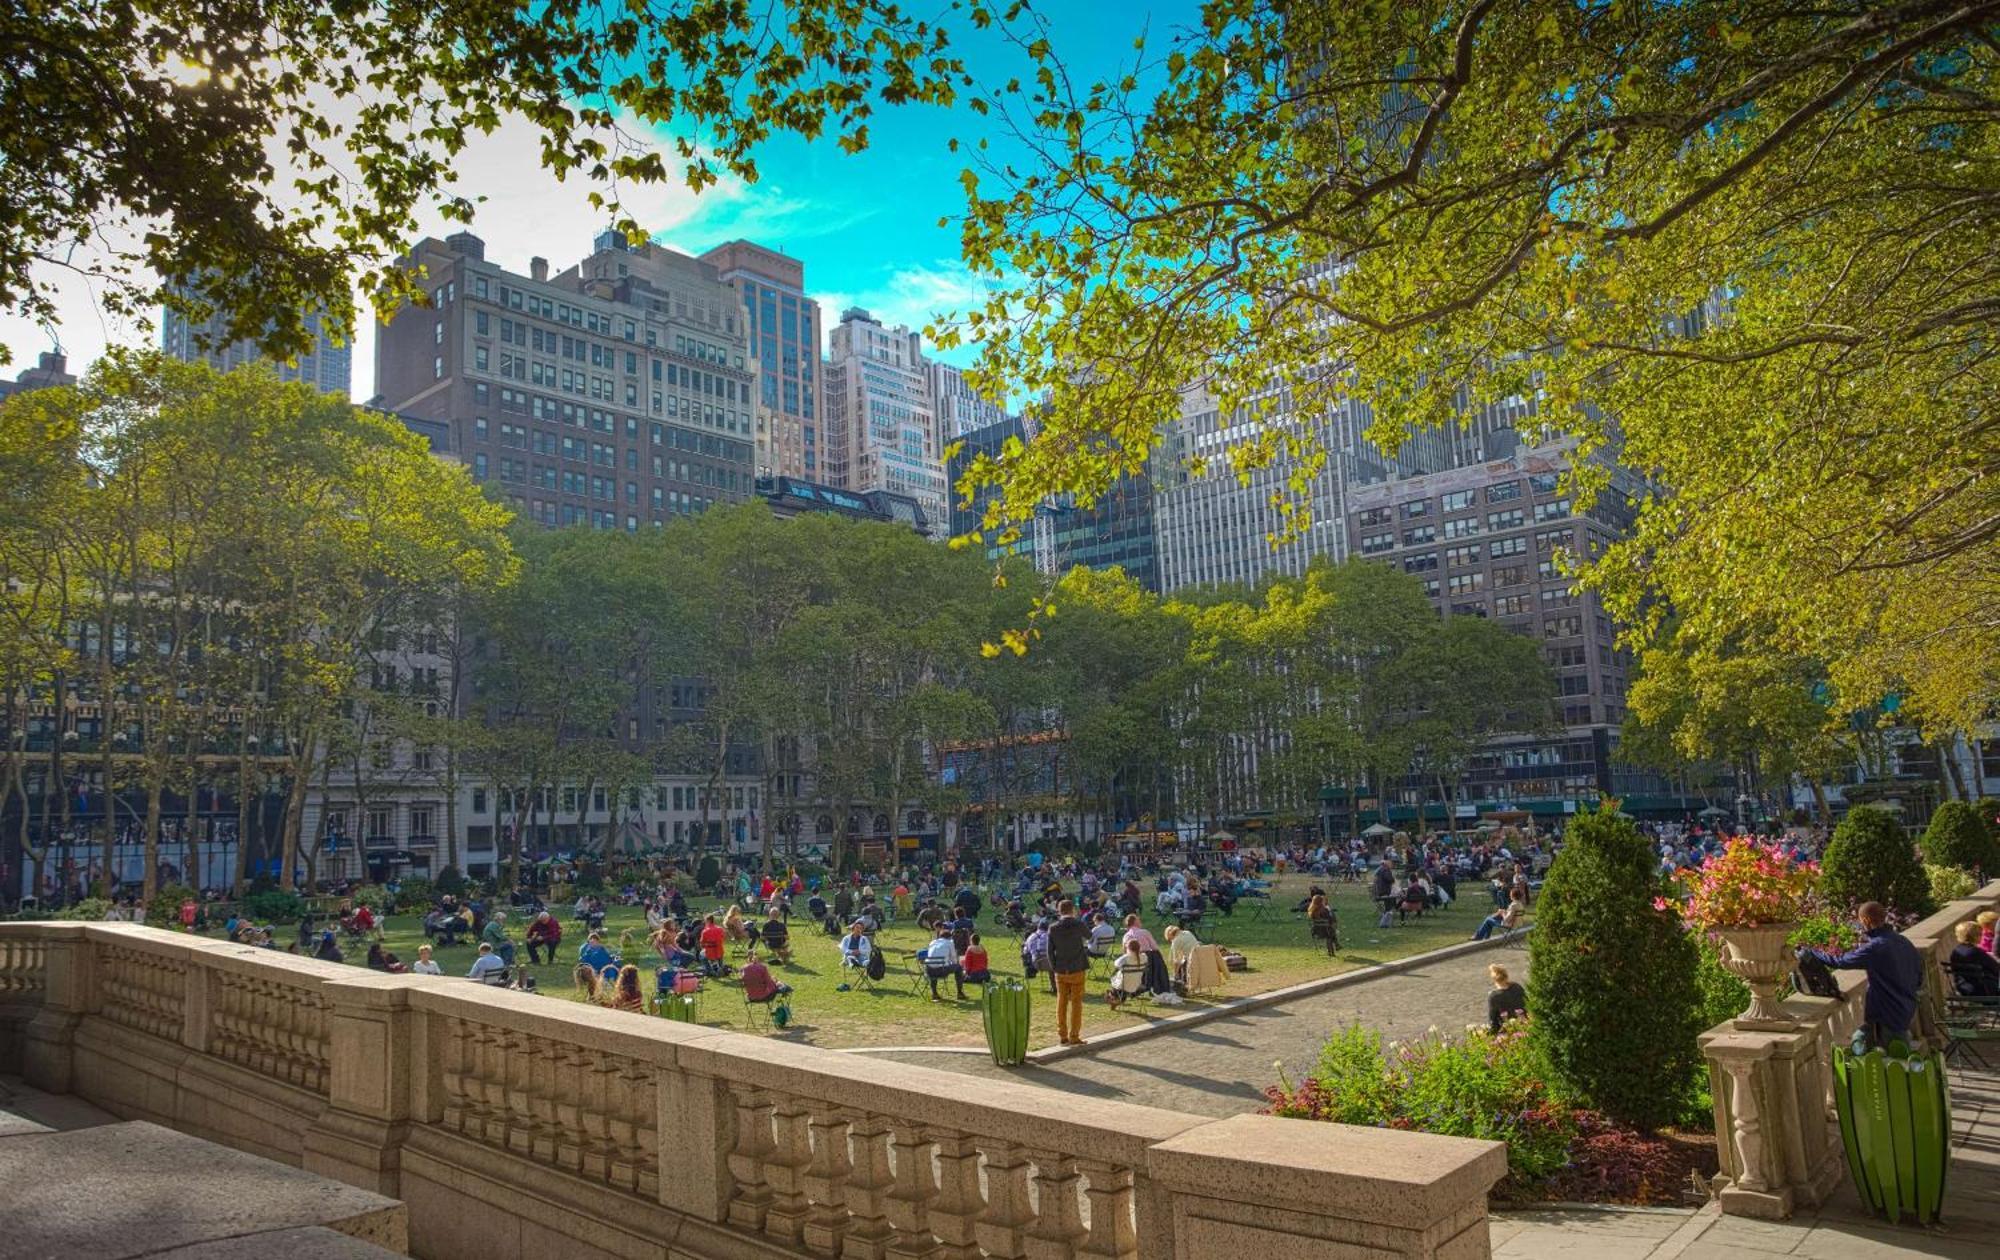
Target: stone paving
{"points": [[1220, 1068]]}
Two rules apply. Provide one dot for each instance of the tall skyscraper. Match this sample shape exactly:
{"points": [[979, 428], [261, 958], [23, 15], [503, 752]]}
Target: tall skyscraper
{"points": [[1484, 539], [882, 427], [327, 367], [1214, 528], [783, 326], [959, 410], [616, 393]]}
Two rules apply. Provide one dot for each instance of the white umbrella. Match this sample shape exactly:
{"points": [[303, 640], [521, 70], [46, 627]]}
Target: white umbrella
{"points": [[1380, 829]]}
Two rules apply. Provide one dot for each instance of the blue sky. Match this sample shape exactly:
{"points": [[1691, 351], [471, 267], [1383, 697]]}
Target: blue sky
{"points": [[865, 225]]}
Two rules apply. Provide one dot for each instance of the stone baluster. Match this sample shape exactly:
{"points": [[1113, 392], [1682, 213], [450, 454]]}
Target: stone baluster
{"points": [[825, 1181], [631, 1091], [452, 1058], [570, 1066], [1109, 1190], [869, 1230], [785, 1168], [1003, 1227], [954, 1211], [1747, 1129], [543, 1065], [747, 1159], [493, 1083], [596, 1114], [644, 1109], [908, 1205], [1058, 1224], [519, 1050]]}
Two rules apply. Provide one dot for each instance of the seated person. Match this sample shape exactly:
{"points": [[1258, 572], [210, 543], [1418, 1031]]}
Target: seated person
{"points": [[1014, 917], [489, 967], [544, 934], [1035, 953], [1102, 933], [625, 992], [1305, 902], [1128, 975], [1414, 899], [380, 959], [589, 983], [595, 954], [930, 916], [759, 985], [1181, 944], [777, 938], [940, 959], [962, 929], [713, 939], [425, 966], [856, 948], [1506, 920], [1974, 972], [978, 970], [816, 907], [1325, 923]]}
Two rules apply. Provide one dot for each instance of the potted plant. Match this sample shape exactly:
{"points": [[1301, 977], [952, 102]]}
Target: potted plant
{"points": [[1749, 898]]}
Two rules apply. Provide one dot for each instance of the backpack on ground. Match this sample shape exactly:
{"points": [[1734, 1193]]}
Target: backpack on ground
{"points": [[878, 967]]}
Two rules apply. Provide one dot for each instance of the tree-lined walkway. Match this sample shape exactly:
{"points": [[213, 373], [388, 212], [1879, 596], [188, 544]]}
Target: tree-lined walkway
{"points": [[1221, 1067]]}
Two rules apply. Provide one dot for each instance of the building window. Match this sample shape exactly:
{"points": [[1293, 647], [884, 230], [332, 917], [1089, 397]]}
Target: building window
{"points": [[479, 800], [378, 824], [1459, 500], [420, 822], [1503, 492], [1416, 508]]}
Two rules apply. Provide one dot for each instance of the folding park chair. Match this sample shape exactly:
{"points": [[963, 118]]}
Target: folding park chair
{"points": [[754, 1012], [1967, 1023], [920, 979]]}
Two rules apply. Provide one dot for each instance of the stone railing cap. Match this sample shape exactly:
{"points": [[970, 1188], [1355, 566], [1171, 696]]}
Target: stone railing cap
{"points": [[1379, 1175]]}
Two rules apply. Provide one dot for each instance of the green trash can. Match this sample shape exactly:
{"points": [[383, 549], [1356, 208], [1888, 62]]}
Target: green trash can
{"points": [[1004, 1009], [1895, 1121]]}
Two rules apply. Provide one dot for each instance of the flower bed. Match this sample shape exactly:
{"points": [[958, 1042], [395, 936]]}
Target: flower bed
{"points": [[1490, 1085]]}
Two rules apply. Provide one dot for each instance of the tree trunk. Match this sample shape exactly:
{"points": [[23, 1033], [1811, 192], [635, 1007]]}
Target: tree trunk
{"points": [[150, 877]]}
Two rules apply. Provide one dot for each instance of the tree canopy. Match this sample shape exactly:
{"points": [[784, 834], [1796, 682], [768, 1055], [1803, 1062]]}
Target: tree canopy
{"points": [[1747, 248], [272, 152]]}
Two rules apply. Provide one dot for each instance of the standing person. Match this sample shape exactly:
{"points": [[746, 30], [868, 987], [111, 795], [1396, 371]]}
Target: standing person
{"points": [[1069, 961], [1895, 972], [1507, 1001]]}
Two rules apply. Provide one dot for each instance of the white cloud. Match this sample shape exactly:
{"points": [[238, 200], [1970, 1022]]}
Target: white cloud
{"points": [[916, 296], [526, 212]]}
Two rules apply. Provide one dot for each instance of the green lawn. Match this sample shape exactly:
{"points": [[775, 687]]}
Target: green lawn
{"points": [[1276, 946]]}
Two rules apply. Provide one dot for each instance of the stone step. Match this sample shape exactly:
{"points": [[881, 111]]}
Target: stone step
{"points": [[121, 1191]]}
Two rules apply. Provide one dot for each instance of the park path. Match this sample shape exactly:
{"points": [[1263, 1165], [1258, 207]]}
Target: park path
{"points": [[1220, 1068]]}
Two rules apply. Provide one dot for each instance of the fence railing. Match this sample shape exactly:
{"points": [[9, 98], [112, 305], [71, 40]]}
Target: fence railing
{"points": [[1777, 1136], [512, 1123]]}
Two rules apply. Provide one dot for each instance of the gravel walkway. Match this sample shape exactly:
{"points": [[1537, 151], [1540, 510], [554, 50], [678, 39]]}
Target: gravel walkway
{"points": [[1221, 1067]]}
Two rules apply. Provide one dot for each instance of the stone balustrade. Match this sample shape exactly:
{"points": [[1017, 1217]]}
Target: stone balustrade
{"points": [[514, 1124], [1777, 1137]]}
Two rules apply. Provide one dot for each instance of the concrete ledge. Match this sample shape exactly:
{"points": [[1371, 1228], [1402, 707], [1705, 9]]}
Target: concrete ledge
{"points": [[1257, 1001], [122, 1190]]}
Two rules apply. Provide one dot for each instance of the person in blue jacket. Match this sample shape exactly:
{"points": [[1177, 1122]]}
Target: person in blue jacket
{"points": [[1895, 972]]}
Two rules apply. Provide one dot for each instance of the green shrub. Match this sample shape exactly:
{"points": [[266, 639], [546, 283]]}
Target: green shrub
{"points": [[1871, 859], [1478, 1086], [1958, 837], [413, 892], [274, 906], [590, 879], [1949, 883], [164, 910], [1612, 982], [1823, 929], [450, 882], [707, 872], [89, 910]]}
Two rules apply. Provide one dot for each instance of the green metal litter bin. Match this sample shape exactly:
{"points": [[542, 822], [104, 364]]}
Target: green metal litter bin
{"points": [[1895, 1121]]}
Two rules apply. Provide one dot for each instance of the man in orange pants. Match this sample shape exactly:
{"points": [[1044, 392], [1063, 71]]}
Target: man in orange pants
{"points": [[1069, 958]]}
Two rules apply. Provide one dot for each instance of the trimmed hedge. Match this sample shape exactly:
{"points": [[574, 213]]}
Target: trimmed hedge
{"points": [[1871, 859], [1612, 982], [1958, 837]]}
